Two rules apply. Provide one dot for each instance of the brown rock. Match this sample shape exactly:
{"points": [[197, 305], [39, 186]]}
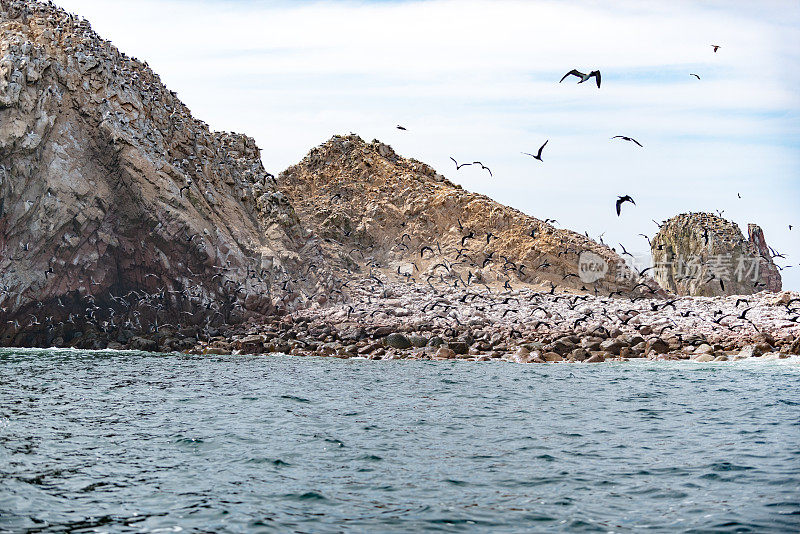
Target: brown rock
{"points": [[657, 346]]}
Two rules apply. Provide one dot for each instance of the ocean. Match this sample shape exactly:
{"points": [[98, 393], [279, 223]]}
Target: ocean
{"points": [[137, 442]]}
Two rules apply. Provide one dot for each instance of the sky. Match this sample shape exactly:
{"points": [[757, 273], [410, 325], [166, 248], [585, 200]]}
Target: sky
{"points": [[479, 80]]}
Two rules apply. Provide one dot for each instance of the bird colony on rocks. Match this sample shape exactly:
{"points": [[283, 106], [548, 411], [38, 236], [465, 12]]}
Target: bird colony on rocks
{"points": [[127, 223]]}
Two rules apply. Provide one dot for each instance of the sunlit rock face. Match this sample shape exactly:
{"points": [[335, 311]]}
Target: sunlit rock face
{"points": [[377, 210], [701, 254]]}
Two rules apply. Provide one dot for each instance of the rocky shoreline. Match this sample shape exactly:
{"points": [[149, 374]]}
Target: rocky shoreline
{"points": [[524, 326]]}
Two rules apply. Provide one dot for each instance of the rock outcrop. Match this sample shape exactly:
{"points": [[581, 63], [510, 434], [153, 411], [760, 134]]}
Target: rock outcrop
{"points": [[700, 254], [118, 209], [378, 212], [126, 221]]}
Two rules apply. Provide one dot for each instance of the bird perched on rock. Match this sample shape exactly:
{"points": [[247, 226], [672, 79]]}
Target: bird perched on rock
{"points": [[626, 138], [622, 200], [582, 76]]}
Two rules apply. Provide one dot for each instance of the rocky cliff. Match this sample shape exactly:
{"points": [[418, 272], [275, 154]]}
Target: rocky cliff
{"points": [[118, 210], [378, 212], [701, 254], [122, 216]]}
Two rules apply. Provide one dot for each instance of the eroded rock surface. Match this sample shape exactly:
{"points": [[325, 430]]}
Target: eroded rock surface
{"points": [[700, 254], [378, 212], [118, 209]]}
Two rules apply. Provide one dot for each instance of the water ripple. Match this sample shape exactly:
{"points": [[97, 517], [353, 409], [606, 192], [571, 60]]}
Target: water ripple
{"points": [[135, 442]]}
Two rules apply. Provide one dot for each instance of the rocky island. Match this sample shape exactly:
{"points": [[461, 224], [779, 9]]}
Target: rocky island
{"points": [[125, 222]]}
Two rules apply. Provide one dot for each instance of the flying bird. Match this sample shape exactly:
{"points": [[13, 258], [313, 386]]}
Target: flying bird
{"points": [[626, 138], [622, 200], [582, 76], [458, 166], [695, 75], [715, 47], [401, 127], [484, 167], [538, 154]]}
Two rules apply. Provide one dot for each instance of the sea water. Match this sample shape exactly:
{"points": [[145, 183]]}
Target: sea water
{"points": [[136, 442]]}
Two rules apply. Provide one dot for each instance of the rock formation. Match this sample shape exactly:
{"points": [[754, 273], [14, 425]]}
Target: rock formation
{"points": [[123, 216], [117, 207], [700, 254], [379, 212]]}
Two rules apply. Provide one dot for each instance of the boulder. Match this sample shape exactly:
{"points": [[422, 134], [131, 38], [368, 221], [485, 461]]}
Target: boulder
{"points": [[444, 353], [459, 347], [657, 346], [397, 341]]}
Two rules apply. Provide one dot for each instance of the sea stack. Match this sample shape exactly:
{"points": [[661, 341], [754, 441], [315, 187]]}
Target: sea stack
{"points": [[701, 254]]}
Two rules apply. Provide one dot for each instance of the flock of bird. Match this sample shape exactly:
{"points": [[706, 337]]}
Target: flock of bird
{"points": [[583, 77]]}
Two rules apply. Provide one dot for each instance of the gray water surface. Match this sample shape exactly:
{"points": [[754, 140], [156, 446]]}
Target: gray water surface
{"points": [[136, 442]]}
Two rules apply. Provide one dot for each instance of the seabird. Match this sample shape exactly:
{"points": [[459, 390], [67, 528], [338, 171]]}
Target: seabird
{"points": [[695, 75], [538, 154], [626, 138], [715, 47], [582, 76], [622, 200], [459, 165]]}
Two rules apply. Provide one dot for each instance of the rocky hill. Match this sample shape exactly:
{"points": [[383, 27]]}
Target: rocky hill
{"points": [[122, 215], [117, 207], [700, 254], [378, 212]]}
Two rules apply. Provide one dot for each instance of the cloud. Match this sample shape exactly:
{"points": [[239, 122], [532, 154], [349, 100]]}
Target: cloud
{"points": [[479, 79]]}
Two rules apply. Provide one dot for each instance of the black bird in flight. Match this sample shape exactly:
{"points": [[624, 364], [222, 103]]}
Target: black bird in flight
{"points": [[582, 76], [626, 138], [538, 154], [695, 75], [458, 166], [401, 127], [484, 167], [622, 200], [715, 47]]}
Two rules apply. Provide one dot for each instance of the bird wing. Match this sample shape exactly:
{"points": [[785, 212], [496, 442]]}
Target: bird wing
{"points": [[539, 155], [637, 142], [596, 74], [619, 203], [573, 72]]}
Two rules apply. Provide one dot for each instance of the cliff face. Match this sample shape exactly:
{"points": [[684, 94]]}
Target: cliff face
{"points": [[376, 211], [117, 207], [122, 215], [700, 254]]}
